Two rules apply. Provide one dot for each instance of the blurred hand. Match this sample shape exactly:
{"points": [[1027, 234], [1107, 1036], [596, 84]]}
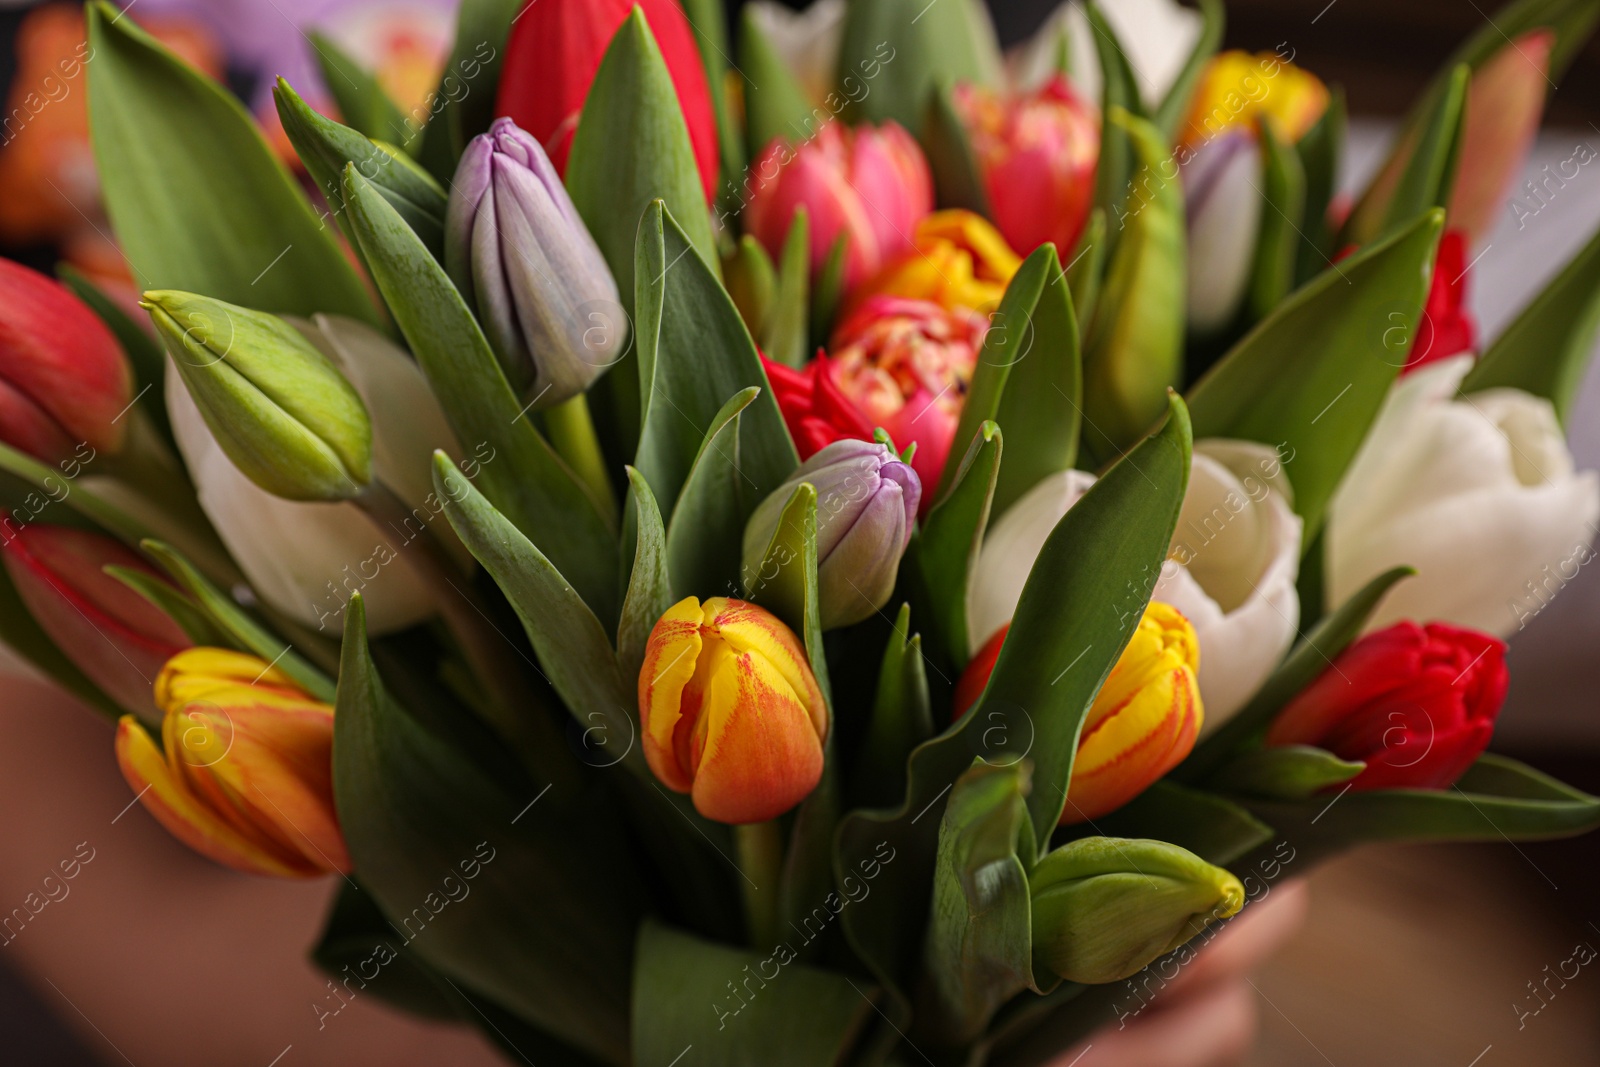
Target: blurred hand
{"points": [[1206, 1017]]}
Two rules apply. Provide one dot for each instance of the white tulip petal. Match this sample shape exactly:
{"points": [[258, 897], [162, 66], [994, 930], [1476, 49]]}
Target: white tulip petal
{"points": [[1156, 36], [1223, 230]]}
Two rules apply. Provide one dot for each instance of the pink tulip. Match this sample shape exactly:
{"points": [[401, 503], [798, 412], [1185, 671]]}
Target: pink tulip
{"points": [[871, 185], [1037, 153]]}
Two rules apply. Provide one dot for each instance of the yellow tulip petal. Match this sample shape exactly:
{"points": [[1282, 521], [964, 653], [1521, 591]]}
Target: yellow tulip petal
{"points": [[749, 629], [671, 655]]}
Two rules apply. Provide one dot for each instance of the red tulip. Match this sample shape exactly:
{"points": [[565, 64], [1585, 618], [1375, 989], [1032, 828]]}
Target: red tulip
{"points": [[1416, 704], [1037, 153], [870, 185], [116, 637], [63, 378], [555, 51], [814, 409], [1447, 327]]}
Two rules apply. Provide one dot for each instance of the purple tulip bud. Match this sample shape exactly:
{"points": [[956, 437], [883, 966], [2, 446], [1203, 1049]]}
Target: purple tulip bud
{"points": [[1223, 205], [519, 253], [866, 506]]}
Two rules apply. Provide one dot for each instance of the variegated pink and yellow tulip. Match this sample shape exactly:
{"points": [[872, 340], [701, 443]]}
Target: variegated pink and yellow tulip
{"points": [[243, 774], [958, 260], [732, 714]]}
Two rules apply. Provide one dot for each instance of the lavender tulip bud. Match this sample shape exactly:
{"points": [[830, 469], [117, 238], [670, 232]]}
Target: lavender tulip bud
{"points": [[519, 253], [866, 506]]}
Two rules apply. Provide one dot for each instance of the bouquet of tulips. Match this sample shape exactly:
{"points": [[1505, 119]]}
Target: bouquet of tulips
{"points": [[834, 546]]}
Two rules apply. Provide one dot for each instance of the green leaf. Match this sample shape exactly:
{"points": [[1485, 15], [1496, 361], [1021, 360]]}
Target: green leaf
{"points": [[903, 49], [694, 353], [901, 719], [1313, 654], [1118, 89], [1285, 772], [783, 335], [1041, 409], [828, 292], [944, 550], [1283, 181], [1175, 107], [1547, 349], [463, 104], [144, 352], [327, 148], [1215, 829], [1421, 170], [650, 586], [1311, 377], [1134, 350], [778, 1013], [361, 100], [243, 631], [705, 538], [1320, 151], [525, 480], [429, 816], [709, 20], [980, 932], [1103, 560], [1084, 273], [575, 654], [174, 604], [356, 937], [775, 104], [956, 177], [791, 592], [751, 280], [197, 199]]}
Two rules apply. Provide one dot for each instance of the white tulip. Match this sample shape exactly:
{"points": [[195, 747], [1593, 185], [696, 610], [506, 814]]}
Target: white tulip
{"points": [[808, 41], [1478, 493], [305, 559], [1234, 560], [1222, 207], [1156, 36]]}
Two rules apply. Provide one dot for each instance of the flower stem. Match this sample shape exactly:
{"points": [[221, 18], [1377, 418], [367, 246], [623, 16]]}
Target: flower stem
{"points": [[572, 434], [759, 848]]}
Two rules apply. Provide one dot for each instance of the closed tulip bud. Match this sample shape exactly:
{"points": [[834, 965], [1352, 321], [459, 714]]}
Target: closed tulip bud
{"points": [[63, 378], [277, 406], [1105, 908], [117, 638], [866, 507], [1037, 154], [1143, 722], [244, 771], [1223, 208], [870, 185], [957, 260], [518, 251], [554, 52], [1416, 704], [731, 712]]}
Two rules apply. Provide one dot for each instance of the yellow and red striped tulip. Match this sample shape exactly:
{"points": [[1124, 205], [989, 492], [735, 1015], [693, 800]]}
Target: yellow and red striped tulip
{"points": [[731, 711], [958, 260], [244, 773], [1143, 722]]}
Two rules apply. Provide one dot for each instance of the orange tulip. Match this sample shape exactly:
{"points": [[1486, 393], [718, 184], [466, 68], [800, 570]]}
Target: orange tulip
{"points": [[1143, 722], [731, 711], [958, 260], [244, 774]]}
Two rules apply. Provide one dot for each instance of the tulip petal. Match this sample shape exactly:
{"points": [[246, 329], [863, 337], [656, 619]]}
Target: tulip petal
{"points": [[671, 655], [749, 629]]}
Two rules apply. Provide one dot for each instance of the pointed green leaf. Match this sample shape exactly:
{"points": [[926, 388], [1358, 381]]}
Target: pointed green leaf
{"points": [[902, 49], [901, 719], [1320, 152], [709, 20], [362, 102], [355, 936], [1041, 410], [1547, 349], [1118, 89], [649, 587], [526, 480], [1311, 377], [144, 352], [1175, 106], [693, 354], [197, 199], [706, 535], [174, 604], [792, 1015], [1421, 169], [783, 335], [1285, 772], [751, 280], [828, 292], [463, 104], [1085, 272], [786, 583], [956, 177], [1214, 828], [980, 932], [775, 104], [944, 550], [1283, 187]]}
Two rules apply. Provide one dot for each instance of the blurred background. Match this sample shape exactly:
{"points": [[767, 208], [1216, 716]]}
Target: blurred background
{"points": [[1414, 956]]}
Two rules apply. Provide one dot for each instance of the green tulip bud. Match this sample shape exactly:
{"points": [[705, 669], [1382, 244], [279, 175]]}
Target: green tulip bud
{"points": [[1105, 907], [278, 407]]}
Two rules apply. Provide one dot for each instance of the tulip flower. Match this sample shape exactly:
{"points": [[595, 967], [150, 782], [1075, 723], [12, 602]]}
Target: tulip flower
{"points": [[866, 509], [958, 261], [1416, 704], [117, 638], [1104, 908], [277, 406], [869, 185], [244, 773], [1239, 89], [731, 712], [1143, 722], [807, 41], [1037, 154], [1231, 570], [306, 559], [1448, 327], [518, 250], [63, 378], [816, 412], [1478, 493], [555, 51]]}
